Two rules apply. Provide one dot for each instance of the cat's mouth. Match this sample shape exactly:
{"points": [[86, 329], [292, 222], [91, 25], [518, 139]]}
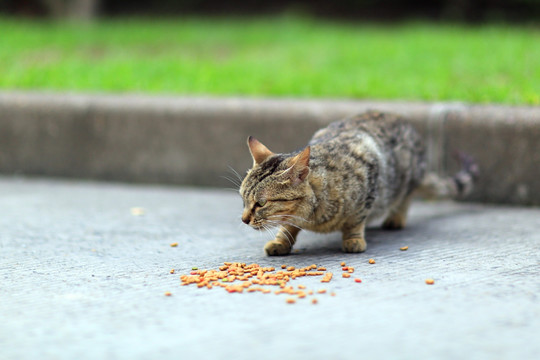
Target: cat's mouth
{"points": [[260, 226], [257, 227]]}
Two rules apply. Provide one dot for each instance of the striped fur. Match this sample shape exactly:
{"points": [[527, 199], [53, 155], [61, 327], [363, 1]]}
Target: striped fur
{"points": [[352, 172]]}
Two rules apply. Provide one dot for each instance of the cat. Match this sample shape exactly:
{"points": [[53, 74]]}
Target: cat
{"points": [[352, 172]]}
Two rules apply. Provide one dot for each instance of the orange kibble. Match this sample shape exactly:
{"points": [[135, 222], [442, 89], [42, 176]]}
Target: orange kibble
{"points": [[167, 293], [351, 270], [290, 268], [301, 286], [283, 266], [321, 291], [430, 281], [172, 271], [321, 269], [174, 244], [358, 280], [346, 275], [371, 261], [343, 263], [301, 294], [403, 248], [333, 294], [290, 301], [314, 301]]}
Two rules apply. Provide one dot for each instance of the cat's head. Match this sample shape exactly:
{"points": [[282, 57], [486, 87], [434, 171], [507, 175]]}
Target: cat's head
{"points": [[275, 190]]}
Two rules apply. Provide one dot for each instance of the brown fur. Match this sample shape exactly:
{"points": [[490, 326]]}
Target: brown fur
{"points": [[351, 172]]}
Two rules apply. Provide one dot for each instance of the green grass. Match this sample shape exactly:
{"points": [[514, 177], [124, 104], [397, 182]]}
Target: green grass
{"points": [[280, 56]]}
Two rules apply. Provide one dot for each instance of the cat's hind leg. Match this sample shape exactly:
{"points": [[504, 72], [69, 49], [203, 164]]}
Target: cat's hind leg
{"points": [[354, 239], [284, 241], [398, 216]]}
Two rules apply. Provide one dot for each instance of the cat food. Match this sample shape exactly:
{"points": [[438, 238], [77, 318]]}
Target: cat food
{"points": [[358, 280], [290, 301], [430, 281], [371, 261], [343, 263], [240, 277], [174, 244], [403, 248], [314, 301], [346, 275], [327, 277], [167, 293], [172, 271]]}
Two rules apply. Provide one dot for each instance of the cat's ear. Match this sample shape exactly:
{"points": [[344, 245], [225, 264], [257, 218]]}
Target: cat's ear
{"points": [[258, 151], [299, 167]]}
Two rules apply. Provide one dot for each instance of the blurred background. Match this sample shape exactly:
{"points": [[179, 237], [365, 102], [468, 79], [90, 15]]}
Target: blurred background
{"points": [[462, 10], [485, 51], [76, 74]]}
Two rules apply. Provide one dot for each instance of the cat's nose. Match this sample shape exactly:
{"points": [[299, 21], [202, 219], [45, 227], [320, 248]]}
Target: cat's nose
{"points": [[245, 219]]}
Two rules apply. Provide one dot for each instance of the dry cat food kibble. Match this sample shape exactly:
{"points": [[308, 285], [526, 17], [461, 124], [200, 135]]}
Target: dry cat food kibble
{"points": [[172, 271], [174, 244], [240, 277], [430, 281], [371, 261], [167, 293], [403, 248]]}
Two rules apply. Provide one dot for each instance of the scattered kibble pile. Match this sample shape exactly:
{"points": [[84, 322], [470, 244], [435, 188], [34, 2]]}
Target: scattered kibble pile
{"points": [[237, 277], [240, 277]]}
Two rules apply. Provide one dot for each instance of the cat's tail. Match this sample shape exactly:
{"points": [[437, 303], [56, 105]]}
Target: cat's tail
{"points": [[456, 186]]}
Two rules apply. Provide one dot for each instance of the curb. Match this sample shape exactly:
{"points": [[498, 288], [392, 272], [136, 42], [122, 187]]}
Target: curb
{"points": [[194, 140]]}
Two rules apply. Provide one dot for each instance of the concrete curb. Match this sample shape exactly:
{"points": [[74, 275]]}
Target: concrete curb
{"points": [[183, 140]]}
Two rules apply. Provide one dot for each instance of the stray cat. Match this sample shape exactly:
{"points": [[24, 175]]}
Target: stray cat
{"points": [[352, 172]]}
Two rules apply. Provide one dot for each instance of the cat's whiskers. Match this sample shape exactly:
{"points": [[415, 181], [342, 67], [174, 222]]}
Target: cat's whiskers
{"points": [[284, 230], [233, 181], [236, 180], [235, 173], [269, 230]]}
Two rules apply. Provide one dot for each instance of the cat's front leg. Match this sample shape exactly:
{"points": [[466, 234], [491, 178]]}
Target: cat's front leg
{"points": [[353, 238], [284, 241]]}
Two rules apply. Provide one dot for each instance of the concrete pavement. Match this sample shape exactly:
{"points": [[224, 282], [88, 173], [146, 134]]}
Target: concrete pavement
{"points": [[81, 277]]}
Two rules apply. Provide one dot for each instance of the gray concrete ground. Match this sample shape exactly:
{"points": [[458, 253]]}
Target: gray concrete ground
{"points": [[83, 278]]}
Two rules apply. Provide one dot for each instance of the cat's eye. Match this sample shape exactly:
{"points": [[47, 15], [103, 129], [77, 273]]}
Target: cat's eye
{"points": [[261, 203]]}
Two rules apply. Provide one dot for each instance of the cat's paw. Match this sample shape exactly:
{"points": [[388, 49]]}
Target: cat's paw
{"points": [[354, 245], [276, 248], [396, 222]]}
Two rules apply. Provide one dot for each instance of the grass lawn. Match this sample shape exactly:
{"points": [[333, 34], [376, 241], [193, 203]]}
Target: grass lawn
{"points": [[277, 56]]}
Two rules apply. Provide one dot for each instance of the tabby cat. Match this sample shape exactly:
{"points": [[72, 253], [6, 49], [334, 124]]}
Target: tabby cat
{"points": [[352, 172]]}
